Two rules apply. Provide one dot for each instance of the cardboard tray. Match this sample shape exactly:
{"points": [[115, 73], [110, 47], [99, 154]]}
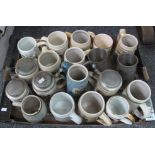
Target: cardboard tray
{"points": [[11, 114]]}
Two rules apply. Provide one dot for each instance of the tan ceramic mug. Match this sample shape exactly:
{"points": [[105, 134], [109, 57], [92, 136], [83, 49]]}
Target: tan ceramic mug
{"points": [[91, 107], [103, 41]]}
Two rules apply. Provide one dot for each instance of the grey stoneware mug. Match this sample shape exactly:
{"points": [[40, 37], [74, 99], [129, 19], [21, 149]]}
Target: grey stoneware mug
{"points": [[16, 90], [99, 58], [33, 109], [127, 66]]}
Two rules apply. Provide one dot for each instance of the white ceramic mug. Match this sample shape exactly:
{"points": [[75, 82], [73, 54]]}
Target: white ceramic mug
{"points": [[138, 92], [126, 42], [103, 41], [91, 107], [117, 108], [57, 41], [81, 39], [62, 106], [27, 47], [33, 109], [49, 61]]}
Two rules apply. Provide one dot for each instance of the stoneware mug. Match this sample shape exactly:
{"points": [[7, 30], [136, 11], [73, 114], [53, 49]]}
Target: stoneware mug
{"points": [[126, 42], [49, 61], [91, 107], [99, 58], [33, 109], [103, 41], [127, 66], [117, 108], [109, 82], [27, 47], [81, 39], [138, 93], [62, 106], [26, 68], [73, 55], [77, 79], [57, 41], [45, 84], [16, 90]]}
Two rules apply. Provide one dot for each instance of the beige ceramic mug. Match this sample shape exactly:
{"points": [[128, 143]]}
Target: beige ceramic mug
{"points": [[103, 41], [91, 107], [57, 41]]}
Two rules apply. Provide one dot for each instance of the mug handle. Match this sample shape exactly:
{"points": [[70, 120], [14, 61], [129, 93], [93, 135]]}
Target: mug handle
{"points": [[68, 34], [120, 34], [104, 120], [75, 118], [142, 111], [128, 120], [92, 34], [87, 51], [62, 84], [17, 104]]}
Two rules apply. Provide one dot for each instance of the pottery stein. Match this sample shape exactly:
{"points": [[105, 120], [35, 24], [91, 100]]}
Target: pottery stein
{"points": [[57, 41], [81, 39], [138, 93], [109, 82], [77, 79], [16, 90], [33, 109], [26, 68]]}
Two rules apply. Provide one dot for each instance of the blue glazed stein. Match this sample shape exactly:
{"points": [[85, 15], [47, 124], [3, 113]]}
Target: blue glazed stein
{"points": [[77, 79]]}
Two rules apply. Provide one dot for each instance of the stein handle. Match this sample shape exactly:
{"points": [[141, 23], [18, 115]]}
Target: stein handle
{"points": [[62, 83], [75, 118], [142, 111], [68, 34], [128, 120], [87, 51], [104, 120], [120, 34], [17, 104], [92, 34]]}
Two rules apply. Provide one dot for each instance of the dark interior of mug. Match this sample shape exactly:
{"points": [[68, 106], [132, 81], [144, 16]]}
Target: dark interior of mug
{"points": [[118, 106], [57, 38], [74, 55], [129, 41], [97, 55], [127, 59], [48, 59], [77, 73], [31, 105], [80, 37], [26, 44], [91, 103], [62, 104], [139, 90]]}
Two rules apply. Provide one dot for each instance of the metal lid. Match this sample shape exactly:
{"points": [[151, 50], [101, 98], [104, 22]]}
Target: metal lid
{"points": [[43, 80], [110, 79], [16, 87], [26, 66]]}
